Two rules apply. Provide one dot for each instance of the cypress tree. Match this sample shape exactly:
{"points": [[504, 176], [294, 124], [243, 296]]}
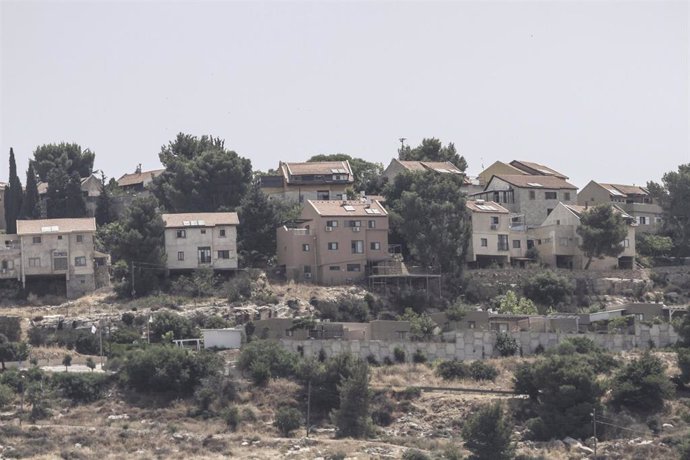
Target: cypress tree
{"points": [[105, 213], [31, 206], [75, 203], [13, 197]]}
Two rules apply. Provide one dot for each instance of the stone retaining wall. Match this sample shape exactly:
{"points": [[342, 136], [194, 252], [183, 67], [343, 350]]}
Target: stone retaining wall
{"points": [[480, 344]]}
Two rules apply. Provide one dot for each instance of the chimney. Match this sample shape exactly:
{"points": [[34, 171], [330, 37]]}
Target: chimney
{"points": [[138, 170]]}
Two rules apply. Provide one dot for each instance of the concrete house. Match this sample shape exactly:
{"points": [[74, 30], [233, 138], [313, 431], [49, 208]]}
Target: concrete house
{"points": [[529, 198], [634, 200], [139, 180], [317, 180], [494, 238], [334, 241], [559, 244], [54, 250], [441, 167], [202, 239], [518, 167]]}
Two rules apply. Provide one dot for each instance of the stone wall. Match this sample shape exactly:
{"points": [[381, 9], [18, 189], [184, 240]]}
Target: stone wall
{"points": [[471, 344]]}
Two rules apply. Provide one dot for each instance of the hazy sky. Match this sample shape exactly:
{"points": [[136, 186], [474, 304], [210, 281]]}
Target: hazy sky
{"points": [[596, 90]]}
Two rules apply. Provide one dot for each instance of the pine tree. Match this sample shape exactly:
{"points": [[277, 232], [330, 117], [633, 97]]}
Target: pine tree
{"points": [[75, 203], [352, 419], [104, 204], [57, 193], [13, 197], [31, 205]]}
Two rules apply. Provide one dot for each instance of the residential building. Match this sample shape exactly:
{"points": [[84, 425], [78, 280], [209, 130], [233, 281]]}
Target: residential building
{"points": [[317, 180], [529, 198], [442, 167], [495, 241], [559, 244], [334, 242], [54, 251], [632, 199], [518, 167], [139, 180], [201, 239]]}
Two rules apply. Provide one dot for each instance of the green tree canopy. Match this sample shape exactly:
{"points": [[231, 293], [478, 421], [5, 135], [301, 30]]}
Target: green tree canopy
{"points": [[673, 195], [367, 174], [13, 197], [105, 209], [12, 351], [427, 214], [642, 385], [31, 206], [433, 150], [649, 244], [487, 434], [201, 175], [352, 418], [510, 303], [69, 157], [602, 230]]}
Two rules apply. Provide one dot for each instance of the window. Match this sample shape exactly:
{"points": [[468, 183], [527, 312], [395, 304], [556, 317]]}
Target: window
{"points": [[502, 242], [59, 237], [203, 231], [354, 267], [494, 220], [563, 241], [180, 255], [657, 220], [307, 269], [375, 246], [36, 240], [358, 247], [626, 243], [484, 242], [80, 261], [496, 197], [204, 254], [322, 195], [372, 224], [60, 263], [182, 233], [643, 220], [80, 238], [305, 247], [566, 196], [516, 244], [8, 264], [334, 268], [332, 246], [551, 195], [532, 195], [224, 254], [471, 325], [221, 233], [353, 223], [331, 223]]}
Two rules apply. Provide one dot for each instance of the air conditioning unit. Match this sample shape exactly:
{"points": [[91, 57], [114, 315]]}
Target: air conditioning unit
{"points": [[356, 229], [329, 229], [307, 276], [494, 227]]}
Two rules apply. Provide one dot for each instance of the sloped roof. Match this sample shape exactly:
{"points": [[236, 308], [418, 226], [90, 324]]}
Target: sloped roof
{"points": [[624, 190], [138, 178], [45, 226], [348, 208], [536, 182], [579, 210], [533, 168], [486, 206], [445, 167], [318, 167], [200, 219]]}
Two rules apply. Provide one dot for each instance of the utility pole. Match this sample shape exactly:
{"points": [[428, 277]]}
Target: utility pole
{"points": [[100, 341], [308, 404], [133, 291], [594, 427]]}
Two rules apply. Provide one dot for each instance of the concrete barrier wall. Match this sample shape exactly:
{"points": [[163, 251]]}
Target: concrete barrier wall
{"points": [[480, 344]]}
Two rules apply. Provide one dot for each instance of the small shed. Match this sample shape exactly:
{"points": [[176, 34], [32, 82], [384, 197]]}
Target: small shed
{"points": [[222, 338]]}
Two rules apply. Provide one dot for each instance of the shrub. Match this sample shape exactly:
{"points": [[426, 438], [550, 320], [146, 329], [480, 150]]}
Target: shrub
{"points": [[399, 355], [683, 355], [168, 369], [280, 362], [238, 288], [419, 357], [165, 322], [479, 370], [352, 417], [80, 387], [683, 329], [487, 434], [287, 420], [564, 391], [232, 418], [450, 370], [346, 308], [6, 395], [548, 289], [215, 390], [260, 372], [127, 318], [371, 359], [414, 454], [511, 303], [506, 345], [642, 385], [382, 410]]}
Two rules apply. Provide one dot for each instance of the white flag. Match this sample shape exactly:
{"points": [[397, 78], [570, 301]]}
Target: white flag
{"points": [[93, 329]]}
